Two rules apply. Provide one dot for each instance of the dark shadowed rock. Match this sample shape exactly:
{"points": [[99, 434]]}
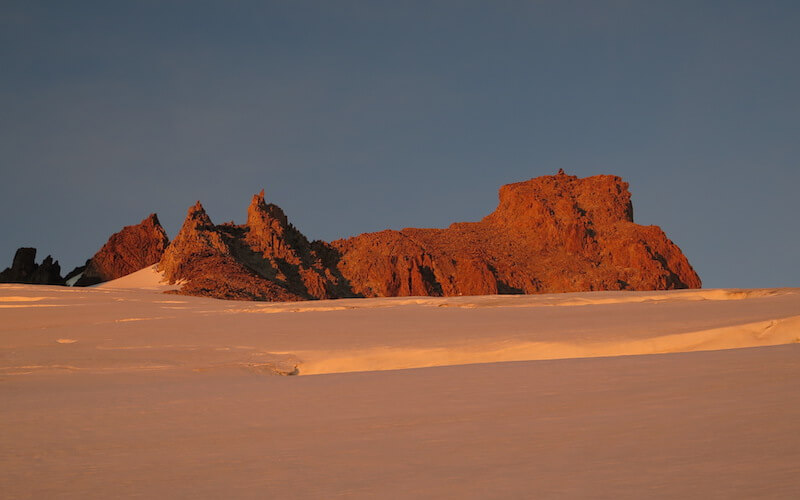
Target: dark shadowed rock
{"points": [[25, 270], [22, 267], [73, 276]]}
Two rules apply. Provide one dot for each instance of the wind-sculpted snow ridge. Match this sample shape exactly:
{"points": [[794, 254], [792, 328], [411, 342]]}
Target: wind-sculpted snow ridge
{"points": [[550, 234], [761, 333], [148, 278]]}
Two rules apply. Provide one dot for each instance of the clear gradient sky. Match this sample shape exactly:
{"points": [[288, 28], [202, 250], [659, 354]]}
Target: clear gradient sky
{"points": [[361, 116]]}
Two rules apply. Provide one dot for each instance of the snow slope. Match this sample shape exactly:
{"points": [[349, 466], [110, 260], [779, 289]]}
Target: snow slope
{"points": [[122, 391]]}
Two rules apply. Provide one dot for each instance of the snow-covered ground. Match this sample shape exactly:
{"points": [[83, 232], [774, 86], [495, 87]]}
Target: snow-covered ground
{"points": [[122, 390]]}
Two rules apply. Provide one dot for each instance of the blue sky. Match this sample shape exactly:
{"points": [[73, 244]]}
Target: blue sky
{"points": [[360, 116]]}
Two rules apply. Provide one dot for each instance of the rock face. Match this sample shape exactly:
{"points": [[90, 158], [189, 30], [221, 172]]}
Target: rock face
{"points": [[25, 270], [549, 234], [131, 249], [265, 259]]}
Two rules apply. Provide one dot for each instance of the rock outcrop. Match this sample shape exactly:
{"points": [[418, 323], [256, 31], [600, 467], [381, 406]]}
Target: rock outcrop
{"points": [[307, 268], [549, 234], [24, 269], [265, 259], [131, 249]]}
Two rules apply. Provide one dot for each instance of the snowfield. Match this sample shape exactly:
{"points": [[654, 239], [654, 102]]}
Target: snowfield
{"points": [[121, 390]]}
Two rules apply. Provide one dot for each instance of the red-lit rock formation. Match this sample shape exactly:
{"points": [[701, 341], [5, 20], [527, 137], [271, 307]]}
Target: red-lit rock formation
{"points": [[265, 259], [549, 234], [302, 266], [131, 249]]}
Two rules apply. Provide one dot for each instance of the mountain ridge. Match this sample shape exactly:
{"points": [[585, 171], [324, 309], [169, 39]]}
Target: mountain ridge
{"points": [[556, 233]]}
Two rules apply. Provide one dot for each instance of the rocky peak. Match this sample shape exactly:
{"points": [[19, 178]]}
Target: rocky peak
{"points": [[602, 199], [270, 233], [25, 270], [215, 260], [48, 272], [261, 213], [127, 251], [197, 217], [265, 259], [197, 236], [24, 263]]}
